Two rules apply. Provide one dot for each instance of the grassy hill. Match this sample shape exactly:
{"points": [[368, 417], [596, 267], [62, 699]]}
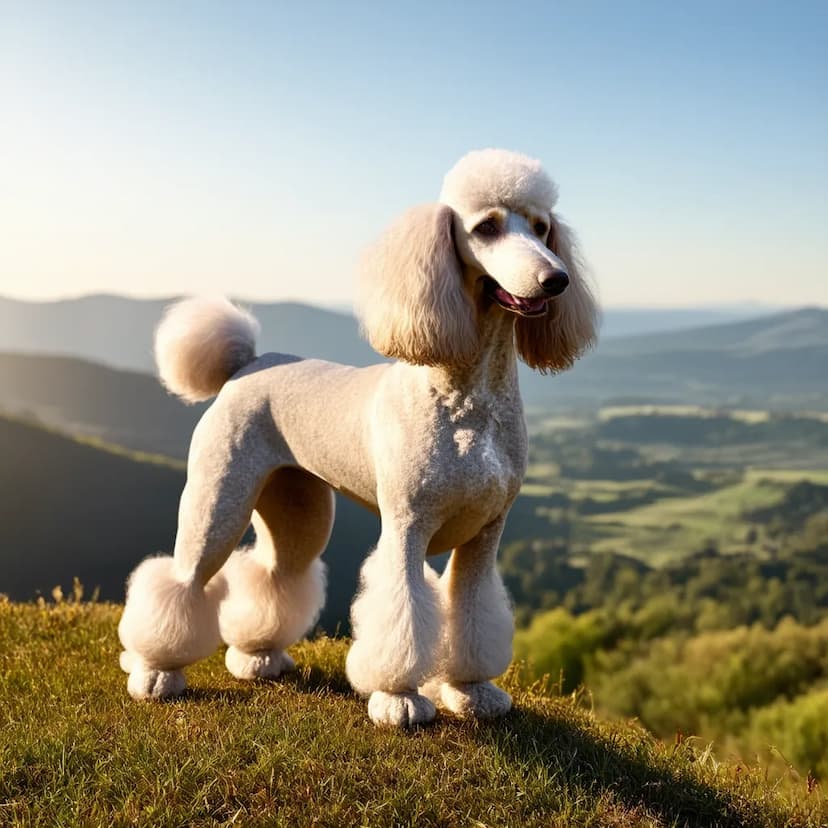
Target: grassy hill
{"points": [[75, 750]]}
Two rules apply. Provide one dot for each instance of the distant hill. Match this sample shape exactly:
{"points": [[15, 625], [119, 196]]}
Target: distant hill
{"points": [[777, 362], [122, 407], [71, 509], [787, 330], [117, 331], [628, 322]]}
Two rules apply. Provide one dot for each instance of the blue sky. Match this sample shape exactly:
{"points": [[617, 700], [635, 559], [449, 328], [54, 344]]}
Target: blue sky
{"points": [[255, 148]]}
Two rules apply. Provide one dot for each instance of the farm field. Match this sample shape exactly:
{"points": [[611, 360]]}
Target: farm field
{"points": [[618, 490]]}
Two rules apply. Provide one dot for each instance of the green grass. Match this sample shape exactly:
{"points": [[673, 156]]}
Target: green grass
{"points": [[75, 750], [673, 527], [818, 476], [750, 416], [604, 491]]}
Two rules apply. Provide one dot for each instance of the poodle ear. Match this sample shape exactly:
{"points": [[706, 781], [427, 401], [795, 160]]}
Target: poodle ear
{"points": [[411, 302], [553, 342]]}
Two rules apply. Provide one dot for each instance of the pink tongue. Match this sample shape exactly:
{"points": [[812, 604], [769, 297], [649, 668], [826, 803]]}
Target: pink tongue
{"points": [[529, 305]]}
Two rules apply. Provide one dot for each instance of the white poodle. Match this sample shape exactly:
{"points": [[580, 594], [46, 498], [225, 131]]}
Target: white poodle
{"points": [[435, 443]]}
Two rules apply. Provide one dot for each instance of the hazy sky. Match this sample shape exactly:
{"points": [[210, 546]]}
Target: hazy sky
{"points": [[254, 148]]}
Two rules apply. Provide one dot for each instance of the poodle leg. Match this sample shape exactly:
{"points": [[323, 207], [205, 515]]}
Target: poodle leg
{"points": [[271, 594], [170, 620], [478, 630], [395, 622]]}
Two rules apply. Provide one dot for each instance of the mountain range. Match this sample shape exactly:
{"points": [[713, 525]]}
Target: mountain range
{"points": [[58, 370], [117, 331]]}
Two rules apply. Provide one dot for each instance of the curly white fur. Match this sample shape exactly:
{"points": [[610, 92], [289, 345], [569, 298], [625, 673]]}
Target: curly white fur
{"points": [[261, 608], [167, 623], [393, 652], [436, 443], [200, 343], [495, 176]]}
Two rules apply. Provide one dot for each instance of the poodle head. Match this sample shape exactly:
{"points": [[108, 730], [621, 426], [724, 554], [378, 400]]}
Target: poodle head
{"points": [[492, 245]]}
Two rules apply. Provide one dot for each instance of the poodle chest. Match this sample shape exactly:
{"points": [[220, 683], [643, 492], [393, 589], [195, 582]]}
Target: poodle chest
{"points": [[480, 474]]}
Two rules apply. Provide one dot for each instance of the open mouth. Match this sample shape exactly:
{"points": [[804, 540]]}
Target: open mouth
{"points": [[515, 304]]}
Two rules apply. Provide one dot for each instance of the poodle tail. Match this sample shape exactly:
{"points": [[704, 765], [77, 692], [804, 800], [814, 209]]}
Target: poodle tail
{"points": [[200, 343]]}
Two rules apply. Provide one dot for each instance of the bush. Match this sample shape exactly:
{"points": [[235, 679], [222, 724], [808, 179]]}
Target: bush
{"points": [[557, 644], [798, 728]]}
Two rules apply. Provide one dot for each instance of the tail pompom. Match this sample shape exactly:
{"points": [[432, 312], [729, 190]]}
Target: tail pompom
{"points": [[200, 343]]}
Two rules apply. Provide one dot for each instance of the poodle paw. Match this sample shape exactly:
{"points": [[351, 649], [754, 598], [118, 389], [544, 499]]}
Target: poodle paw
{"points": [[148, 683], [480, 699], [266, 664], [400, 709]]}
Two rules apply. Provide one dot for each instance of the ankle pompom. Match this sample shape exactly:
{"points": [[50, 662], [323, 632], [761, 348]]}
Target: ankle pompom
{"points": [[167, 622], [263, 609]]}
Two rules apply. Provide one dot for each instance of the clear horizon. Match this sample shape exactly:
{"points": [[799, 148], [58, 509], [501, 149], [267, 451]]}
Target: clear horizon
{"points": [[256, 149]]}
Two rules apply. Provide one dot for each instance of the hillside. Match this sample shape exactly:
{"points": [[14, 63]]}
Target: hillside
{"points": [[100, 510], [76, 751], [775, 362], [70, 509], [123, 407], [799, 329]]}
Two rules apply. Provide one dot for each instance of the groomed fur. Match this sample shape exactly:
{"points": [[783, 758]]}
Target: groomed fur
{"points": [[436, 443], [200, 343], [393, 651], [411, 302], [486, 177], [480, 642], [262, 608], [570, 327], [167, 623]]}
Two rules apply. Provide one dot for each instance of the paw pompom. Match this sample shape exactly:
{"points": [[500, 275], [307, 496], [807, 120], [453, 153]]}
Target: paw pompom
{"points": [[481, 699], [400, 709], [265, 664], [147, 683]]}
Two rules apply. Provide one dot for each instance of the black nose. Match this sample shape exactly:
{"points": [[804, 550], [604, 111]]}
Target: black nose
{"points": [[554, 282]]}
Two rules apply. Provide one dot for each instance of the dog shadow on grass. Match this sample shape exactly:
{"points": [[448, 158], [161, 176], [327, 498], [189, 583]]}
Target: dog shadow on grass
{"points": [[303, 680], [226, 695], [586, 762], [562, 746]]}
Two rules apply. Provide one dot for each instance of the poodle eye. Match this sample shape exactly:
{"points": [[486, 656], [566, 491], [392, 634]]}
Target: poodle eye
{"points": [[540, 228], [487, 228]]}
